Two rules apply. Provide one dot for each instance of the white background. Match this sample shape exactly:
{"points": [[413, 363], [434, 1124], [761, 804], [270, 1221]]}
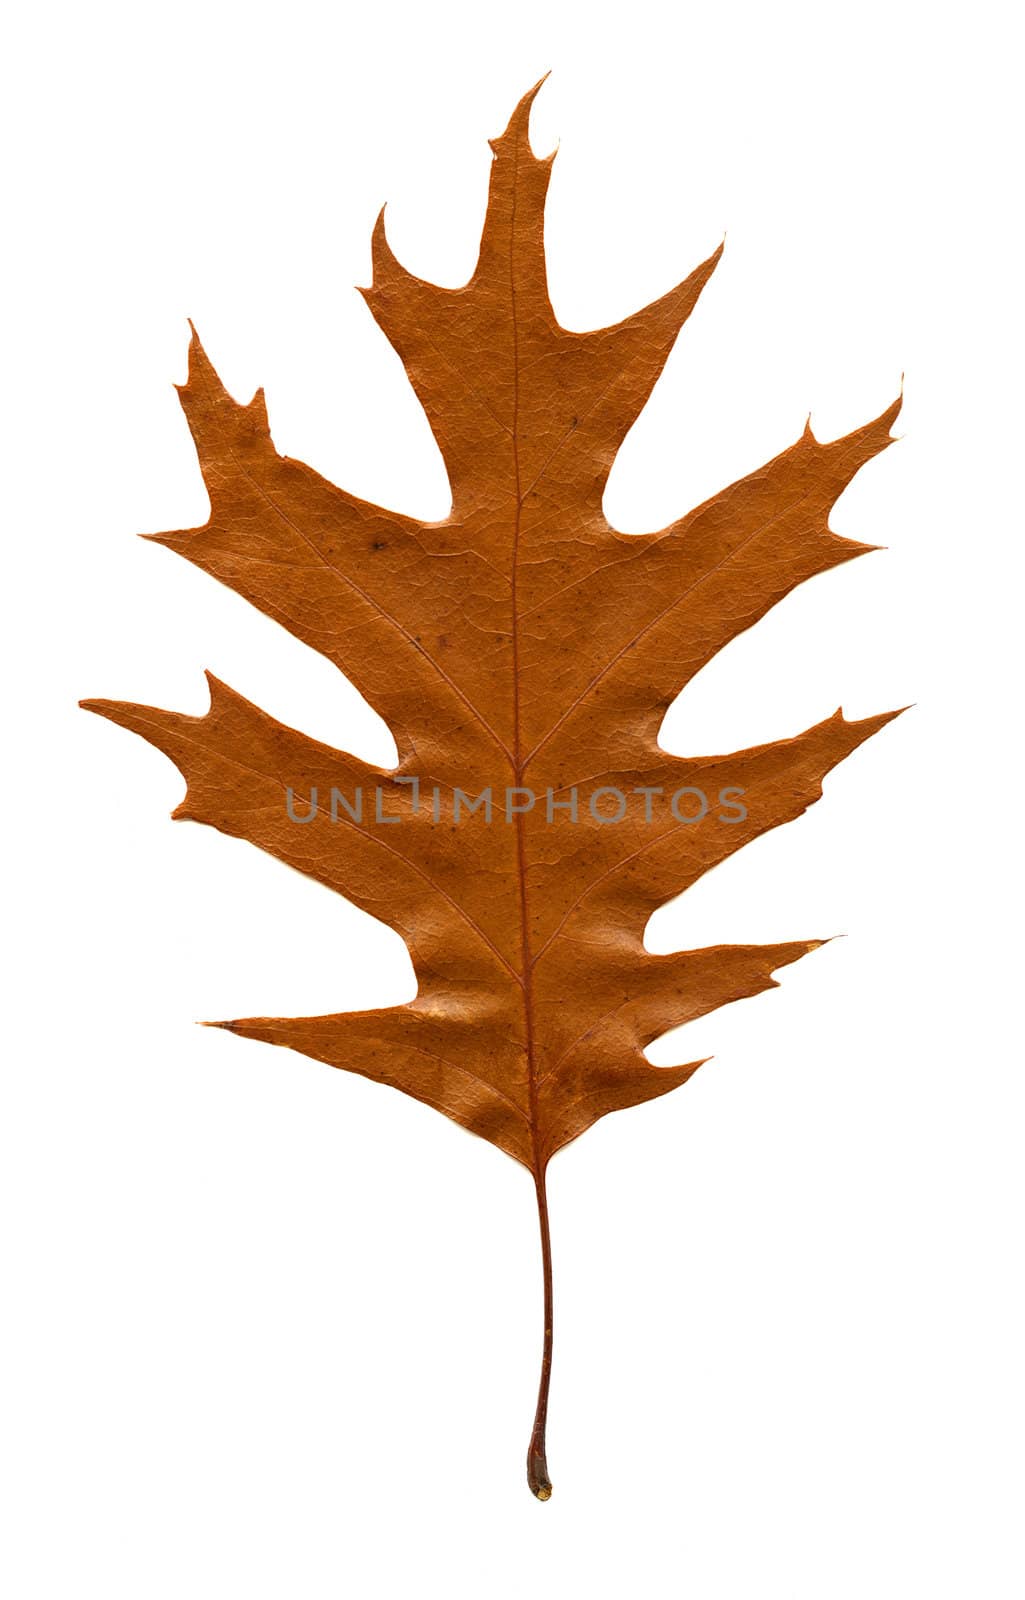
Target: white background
{"points": [[271, 1331]]}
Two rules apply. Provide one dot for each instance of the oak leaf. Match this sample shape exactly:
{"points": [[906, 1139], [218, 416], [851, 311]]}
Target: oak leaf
{"points": [[523, 650]]}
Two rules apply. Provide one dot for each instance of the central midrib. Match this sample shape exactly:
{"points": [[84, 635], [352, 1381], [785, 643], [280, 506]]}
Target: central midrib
{"points": [[521, 853]]}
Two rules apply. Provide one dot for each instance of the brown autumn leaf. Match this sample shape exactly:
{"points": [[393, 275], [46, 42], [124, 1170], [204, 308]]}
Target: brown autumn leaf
{"points": [[523, 653]]}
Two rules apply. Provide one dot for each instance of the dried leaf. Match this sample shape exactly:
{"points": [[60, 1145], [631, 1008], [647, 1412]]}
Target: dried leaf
{"points": [[521, 650]]}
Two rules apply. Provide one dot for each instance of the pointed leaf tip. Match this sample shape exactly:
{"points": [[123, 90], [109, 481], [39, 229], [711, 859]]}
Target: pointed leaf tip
{"points": [[895, 407], [385, 264], [883, 717], [517, 131]]}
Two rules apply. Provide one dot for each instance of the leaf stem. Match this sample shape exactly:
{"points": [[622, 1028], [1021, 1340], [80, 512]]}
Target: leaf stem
{"points": [[537, 1465]]}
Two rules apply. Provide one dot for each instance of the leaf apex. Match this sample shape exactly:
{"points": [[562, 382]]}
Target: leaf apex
{"points": [[688, 1067], [102, 708], [883, 717], [868, 726], [197, 352], [517, 128]]}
